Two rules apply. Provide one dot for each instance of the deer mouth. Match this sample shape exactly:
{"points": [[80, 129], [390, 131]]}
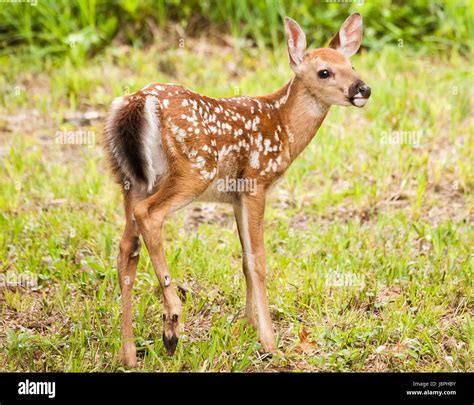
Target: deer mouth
{"points": [[358, 101]]}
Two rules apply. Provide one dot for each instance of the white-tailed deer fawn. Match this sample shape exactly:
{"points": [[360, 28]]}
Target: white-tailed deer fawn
{"points": [[169, 146]]}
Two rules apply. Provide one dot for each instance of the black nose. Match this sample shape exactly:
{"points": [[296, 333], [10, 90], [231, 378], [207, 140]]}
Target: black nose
{"points": [[364, 90]]}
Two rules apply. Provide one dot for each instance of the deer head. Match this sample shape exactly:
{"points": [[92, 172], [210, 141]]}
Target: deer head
{"points": [[327, 73]]}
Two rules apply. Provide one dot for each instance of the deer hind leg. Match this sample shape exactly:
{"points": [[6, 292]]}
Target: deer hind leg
{"points": [[127, 261], [150, 215], [251, 215]]}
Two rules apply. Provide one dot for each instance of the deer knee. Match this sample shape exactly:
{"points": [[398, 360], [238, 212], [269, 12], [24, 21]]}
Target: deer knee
{"points": [[140, 212], [126, 261], [148, 219], [129, 247]]}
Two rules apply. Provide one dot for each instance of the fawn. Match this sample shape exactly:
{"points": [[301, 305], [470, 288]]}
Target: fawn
{"points": [[169, 146]]}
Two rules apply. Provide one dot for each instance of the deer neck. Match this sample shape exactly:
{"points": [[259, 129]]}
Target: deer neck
{"points": [[301, 114]]}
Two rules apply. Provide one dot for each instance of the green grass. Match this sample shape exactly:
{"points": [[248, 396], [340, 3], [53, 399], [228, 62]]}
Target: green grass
{"points": [[50, 27], [392, 221]]}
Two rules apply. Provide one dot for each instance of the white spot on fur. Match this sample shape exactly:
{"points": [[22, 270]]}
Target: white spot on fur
{"points": [[200, 162], [254, 160], [267, 146]]}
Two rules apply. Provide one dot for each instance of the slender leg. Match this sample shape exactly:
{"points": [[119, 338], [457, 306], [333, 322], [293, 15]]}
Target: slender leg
{"points": [[127, 261], [252, 215], [250, 304], [150, 215]]}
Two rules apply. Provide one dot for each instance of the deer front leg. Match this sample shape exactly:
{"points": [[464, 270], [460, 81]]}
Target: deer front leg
{"points": [[251, 215], [250, 303]]}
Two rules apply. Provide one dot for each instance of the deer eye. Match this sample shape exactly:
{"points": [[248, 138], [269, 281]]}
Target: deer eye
{"points": [[323, 74]]}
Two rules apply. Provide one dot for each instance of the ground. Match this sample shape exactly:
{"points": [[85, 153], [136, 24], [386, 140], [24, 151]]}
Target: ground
{"points": [[369, 237]]}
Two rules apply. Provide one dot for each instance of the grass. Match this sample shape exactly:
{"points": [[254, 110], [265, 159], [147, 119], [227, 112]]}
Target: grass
{"points": [[50, 27], [369, 242]]}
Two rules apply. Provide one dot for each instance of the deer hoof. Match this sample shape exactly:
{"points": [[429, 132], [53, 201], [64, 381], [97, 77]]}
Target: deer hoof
{"points": [[170, 343]]}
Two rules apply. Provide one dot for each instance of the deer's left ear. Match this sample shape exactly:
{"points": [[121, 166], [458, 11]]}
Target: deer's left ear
{"points": [[296, 42], [349, 37]]}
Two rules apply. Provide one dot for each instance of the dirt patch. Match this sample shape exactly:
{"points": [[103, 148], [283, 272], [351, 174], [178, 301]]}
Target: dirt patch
{"points": [[25, 311]]}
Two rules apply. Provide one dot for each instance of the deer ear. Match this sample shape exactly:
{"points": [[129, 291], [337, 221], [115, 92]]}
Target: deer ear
{"points": [[296, 42], [347, 40]]}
